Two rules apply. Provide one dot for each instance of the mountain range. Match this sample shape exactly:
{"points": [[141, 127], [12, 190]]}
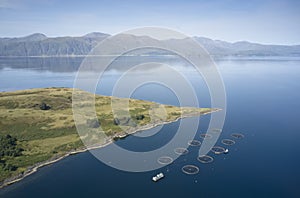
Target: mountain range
{"points": [[40, 45]]}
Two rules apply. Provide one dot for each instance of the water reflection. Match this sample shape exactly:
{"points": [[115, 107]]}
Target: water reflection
{"points": [[71, 64]]}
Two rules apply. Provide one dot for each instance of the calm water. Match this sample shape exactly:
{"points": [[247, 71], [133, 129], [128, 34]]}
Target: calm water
{"points": [[262, 103]]}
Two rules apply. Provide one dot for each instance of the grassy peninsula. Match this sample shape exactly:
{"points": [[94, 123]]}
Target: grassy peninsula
{"points": [[37, 126]]}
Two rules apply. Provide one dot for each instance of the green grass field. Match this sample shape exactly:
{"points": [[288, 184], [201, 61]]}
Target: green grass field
{"points": [[42, 122]]}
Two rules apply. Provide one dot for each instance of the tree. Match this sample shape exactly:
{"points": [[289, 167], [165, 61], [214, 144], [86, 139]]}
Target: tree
{"points": [[116, 121], [140, 117], [44, 106]]}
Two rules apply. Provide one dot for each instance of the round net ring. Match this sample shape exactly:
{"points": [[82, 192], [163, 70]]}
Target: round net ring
{"points": [[228, 142], [181, 151], [194, 143], [205, 159], [164, 160], [190, 169], [237, 135], [205, 136], [218, 150], [215, 130]]}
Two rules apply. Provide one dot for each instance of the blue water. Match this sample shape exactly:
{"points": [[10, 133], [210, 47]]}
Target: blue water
{"points": [[262, 103]]}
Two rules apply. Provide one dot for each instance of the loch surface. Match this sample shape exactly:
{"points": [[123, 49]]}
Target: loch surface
{"points": [[262, 103]]}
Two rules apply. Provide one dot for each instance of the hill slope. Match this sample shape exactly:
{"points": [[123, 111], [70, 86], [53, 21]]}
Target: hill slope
{"points": [[40, 45]]}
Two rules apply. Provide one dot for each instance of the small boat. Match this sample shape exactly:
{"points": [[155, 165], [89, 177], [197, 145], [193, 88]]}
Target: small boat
{"points": [[158, 177], [226, 151]]}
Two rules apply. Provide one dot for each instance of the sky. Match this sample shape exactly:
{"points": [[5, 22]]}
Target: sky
{"points": [[261, 21]]}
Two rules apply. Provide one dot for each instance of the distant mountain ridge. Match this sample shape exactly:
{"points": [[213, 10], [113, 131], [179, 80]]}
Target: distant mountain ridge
{"points": [[40, 45], [244, 48]]}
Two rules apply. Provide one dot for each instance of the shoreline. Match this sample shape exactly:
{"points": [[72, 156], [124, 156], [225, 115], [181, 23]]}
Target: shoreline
{"points": [[34, 168]]}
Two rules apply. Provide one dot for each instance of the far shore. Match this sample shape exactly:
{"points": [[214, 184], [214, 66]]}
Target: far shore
{"points": [[35, 167]]}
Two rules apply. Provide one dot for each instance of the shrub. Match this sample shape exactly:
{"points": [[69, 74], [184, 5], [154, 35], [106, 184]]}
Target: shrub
{"points": [[116, 121], [140, 117], [9, 167], [44, 106]]}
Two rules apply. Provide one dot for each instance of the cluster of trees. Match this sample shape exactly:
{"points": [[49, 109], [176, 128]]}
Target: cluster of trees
{"points": [[126, 121], [8, 148], [94, 123]]}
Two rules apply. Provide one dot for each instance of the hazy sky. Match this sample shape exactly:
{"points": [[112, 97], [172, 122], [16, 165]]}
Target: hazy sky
{"points": [[263, 21]]}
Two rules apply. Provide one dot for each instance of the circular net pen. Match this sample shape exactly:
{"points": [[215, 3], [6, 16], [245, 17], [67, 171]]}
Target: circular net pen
{"points": [[205, 159], [190, 169], [164, 160], [218, 150], [228, 142], [216, 130], [205, 136], [194, 143], [237, 135], [181, 151]]}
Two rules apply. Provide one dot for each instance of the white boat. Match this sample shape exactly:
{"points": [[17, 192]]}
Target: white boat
{"points": [[226, 151], [158, 177]]}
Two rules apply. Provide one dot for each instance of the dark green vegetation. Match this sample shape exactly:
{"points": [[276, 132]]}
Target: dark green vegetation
{"points": [[8, 149], [41, 127]]}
